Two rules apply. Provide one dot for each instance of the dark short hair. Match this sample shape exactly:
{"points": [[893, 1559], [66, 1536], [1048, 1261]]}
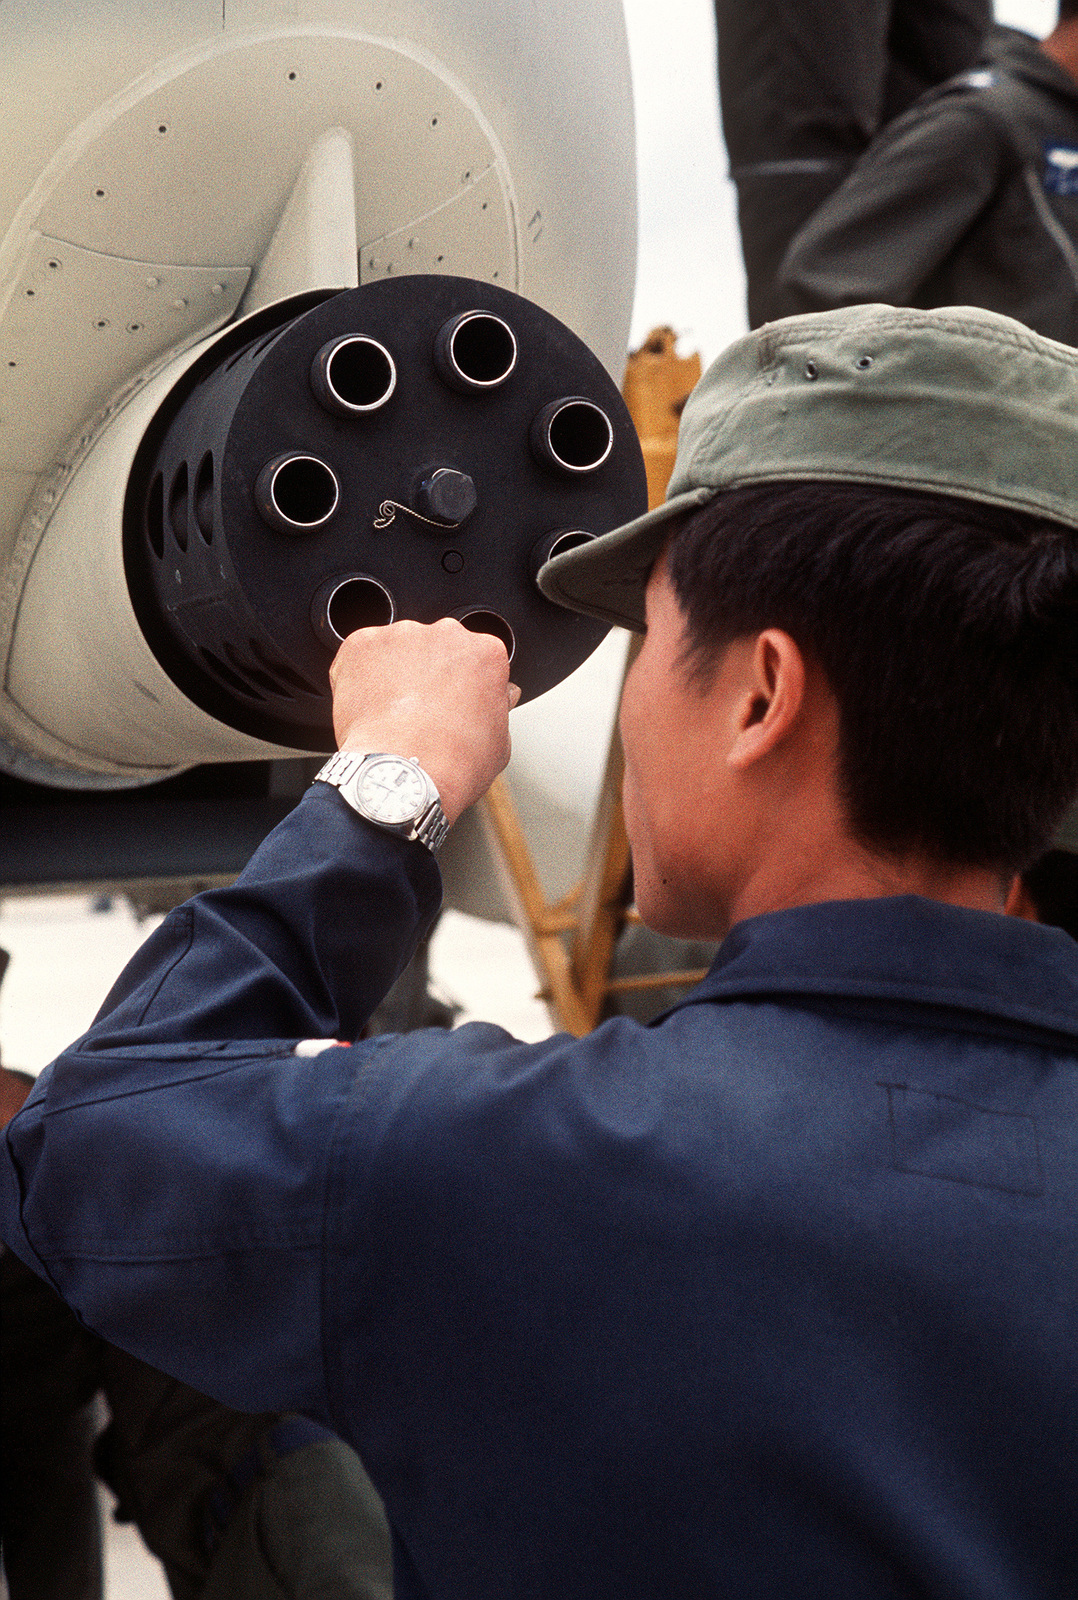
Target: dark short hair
{"points": [[948, 632], [1068, 9]]}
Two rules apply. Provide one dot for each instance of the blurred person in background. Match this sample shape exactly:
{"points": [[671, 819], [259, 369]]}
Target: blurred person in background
{"points": [[1048, 890], [235, 1506], [803, 90], [970, 198]]}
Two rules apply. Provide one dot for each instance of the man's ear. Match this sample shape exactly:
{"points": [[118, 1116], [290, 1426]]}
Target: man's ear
{"points": [[774, 693]]}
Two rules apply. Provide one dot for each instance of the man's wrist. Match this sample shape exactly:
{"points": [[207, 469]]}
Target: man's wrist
{"points": [[389, 791]]}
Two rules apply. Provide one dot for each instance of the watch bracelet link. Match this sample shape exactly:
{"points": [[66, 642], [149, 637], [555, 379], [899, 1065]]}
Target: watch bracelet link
{"points": [[429, 828], [340, 767], [432, 827]]}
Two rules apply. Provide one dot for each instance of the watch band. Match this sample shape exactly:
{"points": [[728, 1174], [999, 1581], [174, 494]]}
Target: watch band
{"points": [[340, 768], [429, 827]]}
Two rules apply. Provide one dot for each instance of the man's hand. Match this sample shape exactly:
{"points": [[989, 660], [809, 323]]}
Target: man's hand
{"points": [[439, 693]]}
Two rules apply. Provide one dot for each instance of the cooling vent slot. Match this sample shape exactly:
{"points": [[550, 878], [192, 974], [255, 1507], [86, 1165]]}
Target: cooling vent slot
{"points": [[155, 516], [204, 498], [262, 678], [177, 506], [284, 674], [225, 675]]}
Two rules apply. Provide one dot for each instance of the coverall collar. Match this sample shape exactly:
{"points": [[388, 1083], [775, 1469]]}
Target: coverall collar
{"points": [[906, 950]]}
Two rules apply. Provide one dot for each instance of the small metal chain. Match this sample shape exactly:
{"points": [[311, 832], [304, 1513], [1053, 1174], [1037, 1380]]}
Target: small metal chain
{"points": [[387, 513]]}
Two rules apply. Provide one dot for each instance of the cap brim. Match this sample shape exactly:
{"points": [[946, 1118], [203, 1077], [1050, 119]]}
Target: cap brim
{"points": [[607, 577]]}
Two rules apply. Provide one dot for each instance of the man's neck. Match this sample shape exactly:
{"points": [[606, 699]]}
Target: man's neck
{"points": [[851, 872], [1062, 46]]}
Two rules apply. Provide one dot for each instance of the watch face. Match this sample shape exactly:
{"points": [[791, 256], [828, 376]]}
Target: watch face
{"points": [[391, 791]]}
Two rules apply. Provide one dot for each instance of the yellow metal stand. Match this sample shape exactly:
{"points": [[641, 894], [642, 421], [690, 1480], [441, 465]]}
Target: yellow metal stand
{"points": [[572, 941]]}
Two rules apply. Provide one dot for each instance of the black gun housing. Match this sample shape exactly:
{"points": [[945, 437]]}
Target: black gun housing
{"points": [[414, 448]]}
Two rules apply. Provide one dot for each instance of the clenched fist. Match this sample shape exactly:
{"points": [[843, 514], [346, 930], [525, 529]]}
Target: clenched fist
{"points": [[439, 693]]}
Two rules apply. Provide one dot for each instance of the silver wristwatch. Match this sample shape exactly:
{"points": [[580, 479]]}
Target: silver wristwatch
{"points": [[393, 792]]}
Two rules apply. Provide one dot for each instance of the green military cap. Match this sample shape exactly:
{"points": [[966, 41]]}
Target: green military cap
{"points": [[958, 401]]}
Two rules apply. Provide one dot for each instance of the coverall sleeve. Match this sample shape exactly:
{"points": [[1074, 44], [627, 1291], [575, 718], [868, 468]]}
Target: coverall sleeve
{"points": [[178, 1153], [905, 206]]}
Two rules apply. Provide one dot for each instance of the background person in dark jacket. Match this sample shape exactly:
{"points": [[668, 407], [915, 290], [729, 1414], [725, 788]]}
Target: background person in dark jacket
{"points": [[235, 1506], [1047, 891], [971, 198], [805, 85]]}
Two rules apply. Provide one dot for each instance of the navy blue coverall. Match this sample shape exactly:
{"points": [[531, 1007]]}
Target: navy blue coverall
{"points": [[775, 1297]]}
